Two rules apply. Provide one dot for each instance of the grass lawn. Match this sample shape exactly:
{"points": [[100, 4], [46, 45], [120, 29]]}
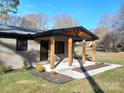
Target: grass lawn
{"points": [[111, 81]]}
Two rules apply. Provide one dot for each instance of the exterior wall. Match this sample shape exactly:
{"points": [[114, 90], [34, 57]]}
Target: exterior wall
{"points": [[15, 59]]}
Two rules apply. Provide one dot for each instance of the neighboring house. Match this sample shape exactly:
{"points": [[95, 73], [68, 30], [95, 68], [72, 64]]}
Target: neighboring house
{"points": [[18, 45]]}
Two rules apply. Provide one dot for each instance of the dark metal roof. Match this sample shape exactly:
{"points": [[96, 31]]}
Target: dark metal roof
{"points": [[19, 32], [15, 35]]}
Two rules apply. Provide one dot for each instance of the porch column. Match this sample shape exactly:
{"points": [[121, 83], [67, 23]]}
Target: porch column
{"points": [[93, 50], [70, 51], [40, 51], [52, 52], [83, 51]]}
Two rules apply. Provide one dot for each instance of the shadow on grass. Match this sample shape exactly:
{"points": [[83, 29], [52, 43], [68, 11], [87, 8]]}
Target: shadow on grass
{"points": [[92, 82]]}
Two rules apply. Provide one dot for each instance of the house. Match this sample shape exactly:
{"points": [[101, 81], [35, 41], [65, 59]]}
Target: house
{"points": [[18, 45]]}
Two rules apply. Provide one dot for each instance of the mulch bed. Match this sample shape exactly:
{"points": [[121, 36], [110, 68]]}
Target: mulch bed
{"points": [[52, 76], [88, 68]]}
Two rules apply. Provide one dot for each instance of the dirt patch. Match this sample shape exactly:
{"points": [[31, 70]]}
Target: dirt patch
{"points": [[88, 68], [52, 76]]}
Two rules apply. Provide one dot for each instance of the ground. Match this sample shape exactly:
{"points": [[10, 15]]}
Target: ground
{"points": [[107, 82]]}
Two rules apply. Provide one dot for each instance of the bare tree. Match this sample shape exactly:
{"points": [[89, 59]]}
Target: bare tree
{"points": [[105, 22], [106, 41], [118, 26], [118, 23], [111, 31], [109, 37], [101, 32], [34, 21], [14, 20], [103, 27], [27, 24], [3, 19], [104, 32], [63, 21], [8, 6], [115, 39]]}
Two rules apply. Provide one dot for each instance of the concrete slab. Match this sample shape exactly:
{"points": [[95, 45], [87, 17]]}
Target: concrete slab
{"points": [[63, 68]]}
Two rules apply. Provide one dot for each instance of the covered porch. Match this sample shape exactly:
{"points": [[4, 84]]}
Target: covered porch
{"points": [[69, 36]]}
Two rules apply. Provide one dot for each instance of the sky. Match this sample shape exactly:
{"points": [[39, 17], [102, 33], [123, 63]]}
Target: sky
{"points": [[87, 13]]}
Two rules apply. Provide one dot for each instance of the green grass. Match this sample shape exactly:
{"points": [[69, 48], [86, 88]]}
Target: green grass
{"points": [[111, 81]]}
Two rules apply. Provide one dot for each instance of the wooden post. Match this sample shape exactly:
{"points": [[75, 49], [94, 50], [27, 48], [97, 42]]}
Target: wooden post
{"points": [[70, 51], [83, 51], [52, 52], [40, 51], [93, 50]]}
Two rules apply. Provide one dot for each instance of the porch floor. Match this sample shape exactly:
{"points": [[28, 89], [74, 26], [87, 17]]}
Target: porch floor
{"points": [[64, 68]]}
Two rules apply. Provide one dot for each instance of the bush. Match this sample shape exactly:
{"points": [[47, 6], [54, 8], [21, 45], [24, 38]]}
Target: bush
{"points": [[4, 68], [25, 65], [116, 50], [100, 48], [39, 68], [122, 49], [87, 57]]}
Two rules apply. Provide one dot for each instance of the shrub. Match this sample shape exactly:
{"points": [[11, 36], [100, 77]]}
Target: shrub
{"points": [[100, 48], [39, 68], [122, 49], [87, 57], [116, 50], [25, 65], [4, 68]]}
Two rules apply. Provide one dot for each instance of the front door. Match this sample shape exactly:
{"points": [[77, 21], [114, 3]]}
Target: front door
{"points": [[44, 50]]}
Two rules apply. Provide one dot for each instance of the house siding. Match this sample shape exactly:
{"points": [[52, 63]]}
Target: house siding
{"points": [[15, 59]]}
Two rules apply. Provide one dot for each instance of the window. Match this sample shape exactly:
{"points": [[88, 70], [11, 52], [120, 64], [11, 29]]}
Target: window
{"points": [[21, 45], [59, 47]]}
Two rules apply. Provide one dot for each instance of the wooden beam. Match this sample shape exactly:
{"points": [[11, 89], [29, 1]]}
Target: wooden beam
{"points": [[70, 58], [93, 50], [40, 51], [52, 52], [83, 51]]}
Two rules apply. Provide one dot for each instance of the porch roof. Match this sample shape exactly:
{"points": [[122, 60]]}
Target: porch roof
{"points": [[77, 33]]}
